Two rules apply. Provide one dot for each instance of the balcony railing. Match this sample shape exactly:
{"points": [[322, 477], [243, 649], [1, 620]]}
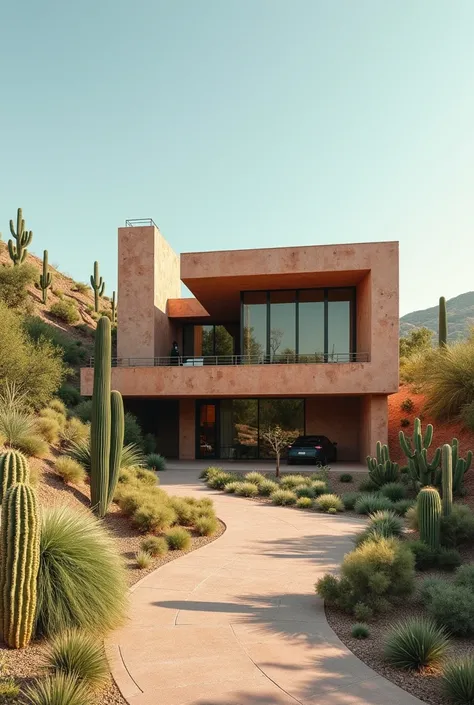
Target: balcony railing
{"points": [[216, 360]]}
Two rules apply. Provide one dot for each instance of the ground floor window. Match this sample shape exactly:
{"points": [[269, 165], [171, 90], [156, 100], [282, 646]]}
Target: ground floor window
{"points": [[234, 428]]}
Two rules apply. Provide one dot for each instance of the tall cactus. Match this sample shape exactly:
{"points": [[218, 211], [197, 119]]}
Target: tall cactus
{"points": [[13, 468], [45, 278], [447, 478], [420, 469], [98, 286], [116, 444], [23, 238], [460, 466], [101, 418], [114, 307], [19, 564], [443, 323], [429, 516]]}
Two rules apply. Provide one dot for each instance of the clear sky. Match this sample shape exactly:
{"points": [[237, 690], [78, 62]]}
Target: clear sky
{"points": [[243, 123]]}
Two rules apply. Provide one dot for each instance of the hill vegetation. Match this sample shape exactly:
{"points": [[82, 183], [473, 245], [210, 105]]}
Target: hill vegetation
{"points": [[460, 317]]}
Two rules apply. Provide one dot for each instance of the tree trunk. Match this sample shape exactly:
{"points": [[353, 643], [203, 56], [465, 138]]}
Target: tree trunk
{"points": [[277, 469]]}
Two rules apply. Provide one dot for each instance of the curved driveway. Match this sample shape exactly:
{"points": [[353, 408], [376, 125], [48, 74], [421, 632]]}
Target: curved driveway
{"points": [[238, 622]]}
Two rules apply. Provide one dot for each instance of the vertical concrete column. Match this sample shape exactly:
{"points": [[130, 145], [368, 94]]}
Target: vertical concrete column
{"points": [[374, 423], [187, 429]]}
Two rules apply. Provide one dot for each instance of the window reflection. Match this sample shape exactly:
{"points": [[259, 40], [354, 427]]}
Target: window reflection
{"points": [[339, 322], [282, 325], [311, 324], [255, 324]]}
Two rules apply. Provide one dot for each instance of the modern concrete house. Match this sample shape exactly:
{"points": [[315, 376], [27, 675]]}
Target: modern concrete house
{"points": [[306, 337]]}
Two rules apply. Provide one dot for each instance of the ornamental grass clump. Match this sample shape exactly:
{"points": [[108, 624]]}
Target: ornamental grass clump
{"points": [[70, 470], [246, 489], [360, 630], [178, 539], [48, 429], [59, 689], [349, 499], [80, 654], [218, 480], [256, 478], [395, 491], [458, 681], [304, 503], [154, 545], [206, 525], [305, 491], [82, 579], [325, 502], [155, 461], [267, 487], [153, 516], [368, 503], [283, 497], [143, 559], [290, 482], [383, 523], [416, 644]]}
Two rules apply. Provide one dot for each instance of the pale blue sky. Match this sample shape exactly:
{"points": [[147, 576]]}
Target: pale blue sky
{"points": [[243, 123]]}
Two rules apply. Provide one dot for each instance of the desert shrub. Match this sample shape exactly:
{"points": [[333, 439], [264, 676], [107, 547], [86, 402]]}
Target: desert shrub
{"points": [[425, 556], [283, 497], [14, 283], [458, 527], [154, 545], [155, 461], [407, 405], [411, 515], [34, 446], [290, 482], [48, 413], [75, 431], [369, 503], [325, 502], [206, 525], [345, 477], [9, 690], [332, 510], [77, 653], [319, 487], [403, 505], [451, 606], [70, 470], [368, 486], [458, 681], [395, 491], [48, 429], [133, 432], [153, 515], [208, 472], [404, 422], [58, 406], [69, 394], [149, 443], [266, 488], [83, 410], [59, 689], [143, 559], [465, 576], [304, 502], [65, 311], [81, 288], [146, 477], [329, 590], [246, 489], [185, 511], [416, 644], [81, 579], [360, 630], [72, 352], [256, 478], [305, 491], [35, 367], [449, 559], [130, 498], [362, 612], [178, 539], [374, 573], [349, 499], [217, 481]]}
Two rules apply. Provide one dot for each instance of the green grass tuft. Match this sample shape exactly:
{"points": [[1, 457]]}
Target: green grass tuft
{"points": [[80, 654]]}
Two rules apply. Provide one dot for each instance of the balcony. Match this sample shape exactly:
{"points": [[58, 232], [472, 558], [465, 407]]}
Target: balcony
{"points": [[232, 360]]}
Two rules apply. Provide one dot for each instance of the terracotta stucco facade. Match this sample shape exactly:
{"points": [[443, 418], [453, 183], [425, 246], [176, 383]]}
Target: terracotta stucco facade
{"points": [[346, 401]]}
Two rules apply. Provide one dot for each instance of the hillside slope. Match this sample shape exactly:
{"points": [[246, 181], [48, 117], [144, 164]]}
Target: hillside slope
{"points": [[460, 317]]}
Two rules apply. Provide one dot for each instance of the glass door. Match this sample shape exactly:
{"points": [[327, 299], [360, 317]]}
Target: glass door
{"points": [[207, 432]]}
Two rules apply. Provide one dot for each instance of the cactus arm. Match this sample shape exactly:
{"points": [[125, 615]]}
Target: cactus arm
{"points": [[98, 286], [406, 445], [442, 323], [116, 444], [436, 459], [22, 237], [447, 479], [428, 438], [468, 459]]}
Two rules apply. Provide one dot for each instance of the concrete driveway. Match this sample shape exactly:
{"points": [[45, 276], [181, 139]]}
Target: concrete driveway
{"points": [[238, 622]]}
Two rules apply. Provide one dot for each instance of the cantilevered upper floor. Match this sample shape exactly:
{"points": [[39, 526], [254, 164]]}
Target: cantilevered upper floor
{"points": [[309, 320]]}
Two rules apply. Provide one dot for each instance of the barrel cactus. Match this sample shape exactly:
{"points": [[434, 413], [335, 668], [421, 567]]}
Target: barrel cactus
{"points": [[429, 516], [19, 564], [101, 418], [447, 478], [13, 468]]}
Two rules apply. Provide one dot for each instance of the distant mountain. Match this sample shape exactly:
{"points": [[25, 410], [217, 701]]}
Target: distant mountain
{"points": [[460, 317]]}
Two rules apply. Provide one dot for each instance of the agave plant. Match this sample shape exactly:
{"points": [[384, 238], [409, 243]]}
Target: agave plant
{"points": [[132, 455]]}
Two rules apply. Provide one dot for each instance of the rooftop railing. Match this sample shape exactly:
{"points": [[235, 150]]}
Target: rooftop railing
{"points": [[217, 360]]}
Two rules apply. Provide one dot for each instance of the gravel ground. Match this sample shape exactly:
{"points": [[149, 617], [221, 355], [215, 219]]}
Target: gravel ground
{"points": [[25, 665]]}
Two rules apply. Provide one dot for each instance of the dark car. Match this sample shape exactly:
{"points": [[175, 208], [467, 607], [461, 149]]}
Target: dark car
{"points": [[314, 449]]}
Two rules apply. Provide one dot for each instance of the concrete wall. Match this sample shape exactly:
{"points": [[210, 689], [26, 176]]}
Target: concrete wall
{"points": [[187, 429], [373, 423], [148, 275], [338, 418]]}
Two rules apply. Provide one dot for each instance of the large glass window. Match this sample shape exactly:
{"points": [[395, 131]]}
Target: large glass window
{"points": [[244, 428], [254, 331], [207, 341], [340, 302], [282, 325], [311, 323]]}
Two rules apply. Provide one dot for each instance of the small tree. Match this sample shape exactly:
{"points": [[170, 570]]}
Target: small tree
{"points": [[277, 439]]}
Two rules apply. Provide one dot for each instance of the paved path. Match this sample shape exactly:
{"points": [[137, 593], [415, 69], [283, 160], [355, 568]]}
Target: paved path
{"points": [[238, 623]]}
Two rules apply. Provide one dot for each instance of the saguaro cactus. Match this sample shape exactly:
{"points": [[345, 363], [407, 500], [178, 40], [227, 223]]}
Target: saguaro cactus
{"points": [[45, 278], [447, 478], [460, 466], [443, 323], [114, 307], [101, 418], [429, 516], [420, 469], [23, 238], [19, 563], [116, 443], [13, 468], [98, 286]]}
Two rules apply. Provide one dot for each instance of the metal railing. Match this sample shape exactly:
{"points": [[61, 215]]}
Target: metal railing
{"points": [[140, 222], [217, 360]]}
